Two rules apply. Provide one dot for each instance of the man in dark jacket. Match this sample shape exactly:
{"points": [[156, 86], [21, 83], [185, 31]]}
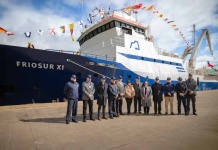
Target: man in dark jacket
{"points": [[88, 90], [181, 90], [120, 98], [101, 91], [192, 87], [137, 98], [157, 90], [71, 91], [113, 93], [169, 89]]}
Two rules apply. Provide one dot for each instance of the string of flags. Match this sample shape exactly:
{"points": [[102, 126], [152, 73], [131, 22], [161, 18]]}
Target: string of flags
{"points": [[40, 32]]}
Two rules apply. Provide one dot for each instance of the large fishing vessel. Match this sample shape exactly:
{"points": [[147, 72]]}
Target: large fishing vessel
{"points": [[116, 45]]}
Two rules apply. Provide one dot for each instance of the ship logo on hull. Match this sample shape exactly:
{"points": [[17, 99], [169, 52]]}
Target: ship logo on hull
{"points": [[39, 65], [135, 44]]}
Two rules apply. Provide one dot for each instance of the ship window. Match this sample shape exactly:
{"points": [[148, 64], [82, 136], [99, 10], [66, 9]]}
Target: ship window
{"points": [[177, 64], [137, 30], [103, 28], [129, 76], [95, 75], [90, 63], [171, 63], [99, 30], [80, 42], [142, 58], [111, 24], [90, 35], [162, 61], [117, 24], [128, 26], [101, 64], [78, 74], [154, 60], [107, 26], [95, 32], [111, 65], [123, 25], [87, 37]]}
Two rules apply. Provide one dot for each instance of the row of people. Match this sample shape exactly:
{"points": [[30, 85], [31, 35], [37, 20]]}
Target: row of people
{"points": [[115, 92]]}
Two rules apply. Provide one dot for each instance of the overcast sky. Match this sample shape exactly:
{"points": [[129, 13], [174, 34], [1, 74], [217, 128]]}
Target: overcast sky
{"points": [[19, 16]]}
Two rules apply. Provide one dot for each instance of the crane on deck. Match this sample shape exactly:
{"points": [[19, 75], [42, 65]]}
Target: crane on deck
{"points": [[194, 50]]}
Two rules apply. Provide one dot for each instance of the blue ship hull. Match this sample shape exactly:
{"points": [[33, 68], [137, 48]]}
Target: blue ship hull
{"points": [[40, 75]]}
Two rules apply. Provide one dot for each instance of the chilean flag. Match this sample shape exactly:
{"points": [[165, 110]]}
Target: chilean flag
{"points": [[209, 64]]}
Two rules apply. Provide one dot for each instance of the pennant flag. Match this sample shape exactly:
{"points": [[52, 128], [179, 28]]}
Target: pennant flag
{"points": [[176, 29], [209, 64], [128, 8], [90, 18], [52, 31], [173, 26], [137, 6], [181, 34], [166, 19], [150, 8], [27, 34], [183, 38], [161, 15], [71, 30], [170, 21], [143, 7], [81, 23], [40, 32], [9, 33], [62, 29], [3, 30], [96, 8], [155, 12]]}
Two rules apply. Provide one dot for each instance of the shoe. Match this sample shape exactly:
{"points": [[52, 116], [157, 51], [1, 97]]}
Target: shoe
{"points": [[172, 113], [186, 114], [73, 120], [67, 122], [84, 120], [179, 113], [195, 114], [166, 113], [160, 113], [122, 114], [99, 118], [104, 117], [114, 115], [135, 112], [93, 119], [155, 113], [118, 115], [147, 113], [140, 112], [111, 117]]}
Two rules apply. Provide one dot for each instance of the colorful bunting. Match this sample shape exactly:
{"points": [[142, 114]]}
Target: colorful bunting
{"points": [[137, 6], [71, 30], [27, 34], [9, 33], [166, 19], [143, 7], [155, 12], [173, 26], [62, 29], [170, 21], [40, 32], [81, 23], [150, 8], [3, 30], [52, 31], [160, 16]]}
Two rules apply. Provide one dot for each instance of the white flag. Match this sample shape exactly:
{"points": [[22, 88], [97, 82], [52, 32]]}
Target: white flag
{"points": [[27, 34], [40, 32]]}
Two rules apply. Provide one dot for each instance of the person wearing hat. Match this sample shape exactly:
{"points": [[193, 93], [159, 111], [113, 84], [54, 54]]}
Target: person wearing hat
{"points": [[192, 92], [169, 89], [129, 94], [146, 94], [30, 45], [137, 98], [181, 90], [120, 98], [101, 91], [157, 90], [113, 93], [88, 90], [71, 91]]}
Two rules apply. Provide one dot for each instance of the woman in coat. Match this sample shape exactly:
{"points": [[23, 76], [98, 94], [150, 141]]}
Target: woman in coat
{"points": [[146, 93], [129, 94]]}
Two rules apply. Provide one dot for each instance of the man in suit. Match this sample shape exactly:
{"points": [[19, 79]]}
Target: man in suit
{"points": [[181, 90], [192, 92], [101, 91], [157, 90], [71, 91], [88, 90], [137, 98], [120, 98], [113, 93]]}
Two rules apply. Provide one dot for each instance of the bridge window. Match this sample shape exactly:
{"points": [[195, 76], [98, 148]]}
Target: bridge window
{"points": [[103, 28], [142, 58], [177, 64], [107, 26], [90, 35], [90, 63], [95, 32], [117, 24], [154, 60], [99, 30], [123, 25], [171, 63], [111, 24], [162, 61]]}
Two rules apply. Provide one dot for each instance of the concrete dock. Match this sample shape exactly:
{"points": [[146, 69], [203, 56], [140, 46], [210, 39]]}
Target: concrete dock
{"points": [[42, 126]]}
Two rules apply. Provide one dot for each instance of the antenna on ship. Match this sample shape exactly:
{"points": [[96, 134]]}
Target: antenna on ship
{"points": [[194, 31]]}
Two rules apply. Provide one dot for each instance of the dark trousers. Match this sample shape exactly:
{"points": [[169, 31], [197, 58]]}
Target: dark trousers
{"points": [[90, 103], [137, 100], [146, 110], [119, 104], [157, 106], [111, 107], [193, 99], [128, 102], [99, 110], [183, 100], [71, 109]]}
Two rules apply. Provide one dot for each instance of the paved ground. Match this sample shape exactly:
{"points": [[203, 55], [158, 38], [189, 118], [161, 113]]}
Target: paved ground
{"points": [[42, 126]]}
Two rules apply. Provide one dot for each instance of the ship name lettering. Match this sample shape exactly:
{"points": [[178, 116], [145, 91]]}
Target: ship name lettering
{"points": [[39, 65]]}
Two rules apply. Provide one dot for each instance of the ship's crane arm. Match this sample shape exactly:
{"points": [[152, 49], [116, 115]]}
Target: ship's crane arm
{"points": [[197, 45]]}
